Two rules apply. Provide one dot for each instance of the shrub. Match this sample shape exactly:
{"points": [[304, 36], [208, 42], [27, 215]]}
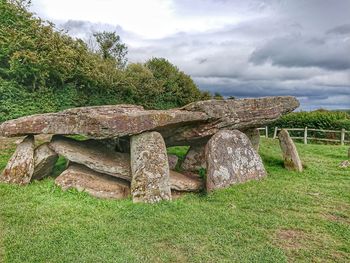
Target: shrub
{"points": [[43, 69]]}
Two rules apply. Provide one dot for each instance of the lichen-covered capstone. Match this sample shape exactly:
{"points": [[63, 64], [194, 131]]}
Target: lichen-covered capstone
{"points": [[20, 168], [44, 161], [94, 155], [194, 123], [231, 159], [289, 152], [195, 159], [240, 114], [100, 122], [150, 169], [96, 184]]}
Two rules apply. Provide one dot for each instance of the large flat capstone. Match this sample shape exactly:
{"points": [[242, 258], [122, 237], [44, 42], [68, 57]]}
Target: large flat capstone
{"points": [[188, 125], [240, 114], [100, 121]]}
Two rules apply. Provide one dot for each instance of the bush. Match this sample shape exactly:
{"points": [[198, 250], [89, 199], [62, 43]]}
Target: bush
{"points": [[319, 119], [44, 70]]}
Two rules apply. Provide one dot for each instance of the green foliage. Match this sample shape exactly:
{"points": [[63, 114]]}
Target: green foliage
{"points": [[285, 217], [179, 88], [42, 69], [111, 47], [319, 119], [17, 102], [218, 96]]}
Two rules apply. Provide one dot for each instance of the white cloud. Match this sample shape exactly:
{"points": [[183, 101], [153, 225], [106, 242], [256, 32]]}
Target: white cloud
{"points": [[240, 48], [147, 18]]}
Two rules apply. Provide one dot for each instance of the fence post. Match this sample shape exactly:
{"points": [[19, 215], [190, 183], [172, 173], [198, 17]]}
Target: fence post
{"points": [[342, 136], [266, 132], [275, 133], [305, 135]]}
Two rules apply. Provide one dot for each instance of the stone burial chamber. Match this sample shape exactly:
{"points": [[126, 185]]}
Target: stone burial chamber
{"points": [[123, 152]]}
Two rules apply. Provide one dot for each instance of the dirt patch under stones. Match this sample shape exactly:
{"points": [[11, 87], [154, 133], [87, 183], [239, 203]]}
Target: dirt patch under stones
{"points": [[290, 238]]}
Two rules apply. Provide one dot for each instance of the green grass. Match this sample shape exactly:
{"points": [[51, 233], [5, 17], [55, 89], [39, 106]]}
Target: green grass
{"points": [[286, 217]]}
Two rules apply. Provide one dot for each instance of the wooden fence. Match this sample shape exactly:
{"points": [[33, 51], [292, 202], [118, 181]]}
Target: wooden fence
{"points": [[305, 131]]}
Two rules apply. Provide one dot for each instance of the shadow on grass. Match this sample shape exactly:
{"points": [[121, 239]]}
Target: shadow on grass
{"points": [[60, 166], [272, 161]]}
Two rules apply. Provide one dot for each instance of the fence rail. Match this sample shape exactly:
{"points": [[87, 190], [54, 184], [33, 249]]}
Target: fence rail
{"points": [[305, 138]]}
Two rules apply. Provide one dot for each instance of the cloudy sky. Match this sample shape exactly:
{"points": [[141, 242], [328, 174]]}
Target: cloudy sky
{"points": [[242, 48]]}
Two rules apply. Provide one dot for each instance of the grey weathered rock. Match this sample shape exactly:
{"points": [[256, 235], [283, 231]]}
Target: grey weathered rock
{"points": [[289, 152], [93, 155], [20, 168], [192, 124], [242, 114], [150, 169], [100, 122], [231, 159], [195, 158], [187, 182], [344, 164], [254, 137], [44, 161], [172, 160], [117, 144], [96, 184], [42, 138]]}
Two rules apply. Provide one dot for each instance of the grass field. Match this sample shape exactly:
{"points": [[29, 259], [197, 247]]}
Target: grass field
{"points": [[286, 217]]}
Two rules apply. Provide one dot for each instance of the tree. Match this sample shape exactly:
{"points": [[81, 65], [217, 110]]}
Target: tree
{"points": [[42, 69], [146, 90], [21, 3], [218, 96], [179, 88], [109, 46]]}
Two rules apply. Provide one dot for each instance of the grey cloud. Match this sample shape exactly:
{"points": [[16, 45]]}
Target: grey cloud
{"points": [[302, 49], [340, 30], [84, 29], [304, 52], [311, 96]]}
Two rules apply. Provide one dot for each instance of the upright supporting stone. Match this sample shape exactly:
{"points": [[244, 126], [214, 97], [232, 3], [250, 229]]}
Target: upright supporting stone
{"points": [[231, 159], [195, 159], [20, 168], [289, 151], [254, 137], [44, 161], [150, 169]]}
